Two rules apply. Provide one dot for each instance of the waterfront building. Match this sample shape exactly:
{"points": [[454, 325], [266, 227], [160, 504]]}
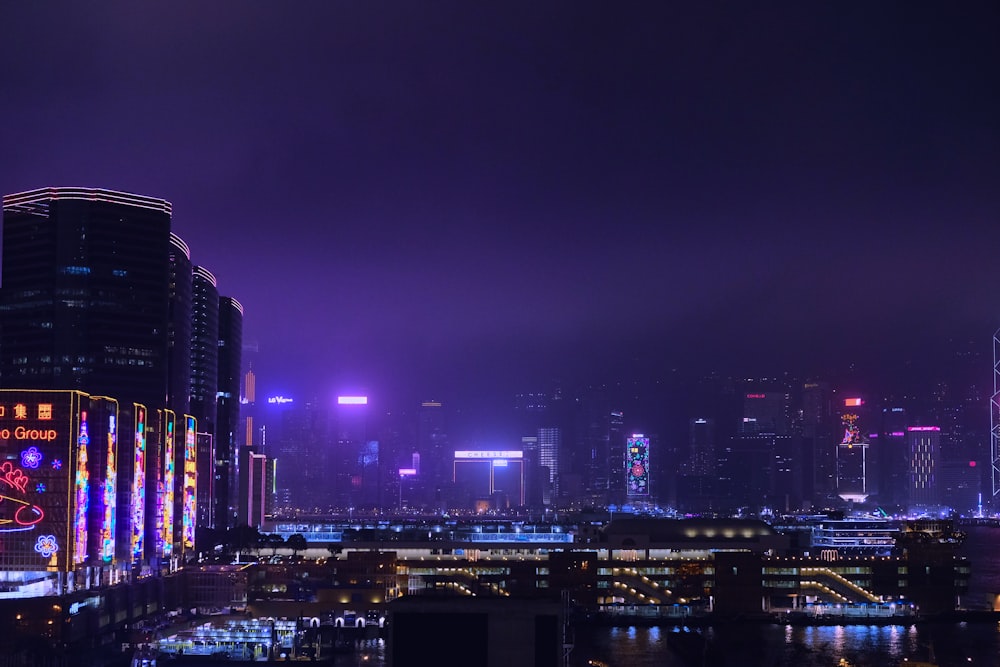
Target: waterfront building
{"points": [[833, 538]]}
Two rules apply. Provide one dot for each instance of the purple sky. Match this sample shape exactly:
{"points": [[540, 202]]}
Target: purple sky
{"points": [[455, 197]]}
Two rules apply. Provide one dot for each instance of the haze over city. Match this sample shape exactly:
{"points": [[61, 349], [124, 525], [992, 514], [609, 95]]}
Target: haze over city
{"points": [[459, 201]]}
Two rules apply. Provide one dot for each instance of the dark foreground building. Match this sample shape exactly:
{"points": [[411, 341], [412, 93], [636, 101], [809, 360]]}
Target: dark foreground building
{"points": [[491, 632]]}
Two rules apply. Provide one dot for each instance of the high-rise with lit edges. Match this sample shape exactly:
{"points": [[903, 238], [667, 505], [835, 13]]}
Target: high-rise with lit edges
{"points": [[97, 448]]}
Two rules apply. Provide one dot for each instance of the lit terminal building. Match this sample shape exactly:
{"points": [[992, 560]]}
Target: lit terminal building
{"points": [[60, 477]]}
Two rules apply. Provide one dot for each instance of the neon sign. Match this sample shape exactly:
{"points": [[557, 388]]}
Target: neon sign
{"points": [[25, 515], [31, 457], [13, 477], [46, 545], [82, 486]]}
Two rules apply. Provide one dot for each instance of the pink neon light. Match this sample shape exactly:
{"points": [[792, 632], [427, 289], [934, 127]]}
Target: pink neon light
{"points": [[29, 520], [923, 428], [407, 472], [756, 395], [13, 477], [972, 464], [897, 434]]}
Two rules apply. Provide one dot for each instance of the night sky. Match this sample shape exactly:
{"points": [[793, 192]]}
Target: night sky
{"points": [[460, 199]]}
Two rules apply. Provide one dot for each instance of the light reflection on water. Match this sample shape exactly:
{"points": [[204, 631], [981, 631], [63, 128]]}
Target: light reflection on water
{"points": [[753, 645]]}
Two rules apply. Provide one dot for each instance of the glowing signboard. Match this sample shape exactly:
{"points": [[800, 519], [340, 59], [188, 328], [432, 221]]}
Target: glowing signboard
{"points": [[279, 400], [489, 454], [166, 499], [190, 500], [110, 492], [637, 465], [138, 483], [352, 400], [81, 484], [853, 402]]}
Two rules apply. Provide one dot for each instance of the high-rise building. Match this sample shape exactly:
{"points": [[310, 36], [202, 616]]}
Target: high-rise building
{"points": [[230, 342], [205, 385], [637, 467], [99, 297], [85, 299], [925, 448], [179, 329]]}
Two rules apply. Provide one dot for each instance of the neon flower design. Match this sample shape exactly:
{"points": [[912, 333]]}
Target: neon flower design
{"points": [[56, 464], [40, 487], [31, 457], [46, 545]]}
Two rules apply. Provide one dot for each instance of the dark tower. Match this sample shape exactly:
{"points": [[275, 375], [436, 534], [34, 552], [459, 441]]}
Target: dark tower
{"points": [[230, 344], [205, 385]]}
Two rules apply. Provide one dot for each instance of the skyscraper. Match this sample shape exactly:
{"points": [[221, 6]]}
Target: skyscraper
{"points": [[230, 342], [925, 447], [100, 297], [205, 385], [85, 298]]}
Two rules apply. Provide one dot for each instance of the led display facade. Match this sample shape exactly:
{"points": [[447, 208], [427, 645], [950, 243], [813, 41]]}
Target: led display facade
{"points": [[54, 473], [189, 512], [138, 500], [637, 465], [165, 492]]}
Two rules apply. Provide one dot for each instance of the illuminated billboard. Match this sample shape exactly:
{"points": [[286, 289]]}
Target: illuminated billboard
{"points": [[637, 465], [138, 500], [81, 490], [489, 454], [165, 499], [51, 513], [352, 400], [189, 512], [110, 489]]}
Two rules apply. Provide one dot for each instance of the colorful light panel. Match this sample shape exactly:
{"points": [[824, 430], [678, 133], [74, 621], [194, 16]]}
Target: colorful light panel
{"points": [[81, 484], [138, 483], [637, 466], [190, 512], [166, 499], [110, 493]]}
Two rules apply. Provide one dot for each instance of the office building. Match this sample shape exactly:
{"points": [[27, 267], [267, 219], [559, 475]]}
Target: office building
{"points": [[99, 297], [227, 474], [85, 298], [489, 479]]}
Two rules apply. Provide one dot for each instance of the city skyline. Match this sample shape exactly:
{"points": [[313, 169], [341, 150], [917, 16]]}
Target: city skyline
{"points": [[459, 202]]}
